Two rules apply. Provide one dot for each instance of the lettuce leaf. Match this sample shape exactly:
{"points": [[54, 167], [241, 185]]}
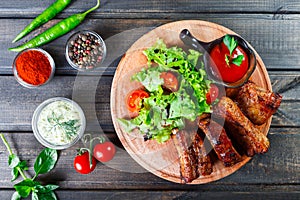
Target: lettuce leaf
{"points": [[162, 112]]}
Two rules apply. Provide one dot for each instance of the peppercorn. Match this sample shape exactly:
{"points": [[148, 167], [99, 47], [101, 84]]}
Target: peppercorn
{"points": [[84, 49]]}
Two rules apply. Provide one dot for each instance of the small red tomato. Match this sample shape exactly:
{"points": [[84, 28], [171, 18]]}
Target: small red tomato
{"points": [[104, 152], [82, 163], [134, 100], [212, 94], [170, 81]]}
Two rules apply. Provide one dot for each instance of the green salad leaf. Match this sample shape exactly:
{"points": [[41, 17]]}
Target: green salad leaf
{"points": [[162, 112]]}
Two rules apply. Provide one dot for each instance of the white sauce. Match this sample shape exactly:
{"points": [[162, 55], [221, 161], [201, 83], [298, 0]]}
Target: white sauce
{"points": [[59, 122]]}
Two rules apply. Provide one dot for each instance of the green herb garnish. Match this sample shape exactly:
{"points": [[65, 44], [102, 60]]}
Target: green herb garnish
{"points": [[161, 112], [44, 163], [70, 127], [231, 44]]}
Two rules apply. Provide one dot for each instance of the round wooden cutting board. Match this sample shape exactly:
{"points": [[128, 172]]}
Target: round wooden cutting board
{"points": [[162, 159]]}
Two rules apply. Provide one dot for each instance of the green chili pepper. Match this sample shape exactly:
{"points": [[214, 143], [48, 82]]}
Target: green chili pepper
{"points": [[44, 17], [55, 31]]}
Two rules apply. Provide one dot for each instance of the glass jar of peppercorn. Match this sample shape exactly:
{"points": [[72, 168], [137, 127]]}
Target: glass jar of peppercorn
{"points": [[85, 50]]}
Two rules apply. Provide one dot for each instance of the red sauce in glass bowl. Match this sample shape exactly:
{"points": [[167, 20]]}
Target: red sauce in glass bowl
{"points": [[221, 70]]}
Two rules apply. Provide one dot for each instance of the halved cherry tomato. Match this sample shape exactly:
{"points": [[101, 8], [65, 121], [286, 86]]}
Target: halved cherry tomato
{"points": [[134, 100], [170, 81], [212, 94], [82, 163], [104, 152]]}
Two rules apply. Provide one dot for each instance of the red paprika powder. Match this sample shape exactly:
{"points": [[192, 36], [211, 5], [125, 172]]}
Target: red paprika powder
{"points": [[33, 67]]}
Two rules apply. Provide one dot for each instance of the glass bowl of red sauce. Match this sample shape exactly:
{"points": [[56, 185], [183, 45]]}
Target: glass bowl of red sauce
{"points": [[33, 67], [229, 63]]}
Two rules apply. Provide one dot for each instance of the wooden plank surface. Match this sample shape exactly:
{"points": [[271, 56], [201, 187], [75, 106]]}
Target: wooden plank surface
{"points": [[158, 195], [126, 8], [27, 99], [275, 167], [272, 39], [272, 28]]}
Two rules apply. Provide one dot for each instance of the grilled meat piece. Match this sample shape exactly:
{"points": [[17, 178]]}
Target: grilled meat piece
{"points": [[220, 142], [257, 103], [241, 128], [204, 163], [187, 160], [232, 92]]}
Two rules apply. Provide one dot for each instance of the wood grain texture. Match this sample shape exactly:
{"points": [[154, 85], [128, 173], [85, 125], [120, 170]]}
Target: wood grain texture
{"points": [[162, 159], [272, 28], [270, 42], [275, 167], [127, 8], [169, 194], [11, 102]]}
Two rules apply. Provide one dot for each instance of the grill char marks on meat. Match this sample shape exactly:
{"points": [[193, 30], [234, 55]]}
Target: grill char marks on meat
{"points": [[193, 157], [219, 140], [204, 163], [241, 128], [187, 161], [257, 103]]}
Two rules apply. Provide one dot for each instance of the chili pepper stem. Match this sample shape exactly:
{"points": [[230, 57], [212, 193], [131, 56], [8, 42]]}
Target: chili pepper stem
{"points": [[93, 8], [11, 153]]}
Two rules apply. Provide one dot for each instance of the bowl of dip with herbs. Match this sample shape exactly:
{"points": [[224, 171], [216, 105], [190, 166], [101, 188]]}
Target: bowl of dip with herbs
{"points": [[58, 123]]}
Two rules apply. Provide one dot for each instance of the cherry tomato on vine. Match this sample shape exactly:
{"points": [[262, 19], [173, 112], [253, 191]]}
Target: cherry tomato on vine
{"points": [[82, 163], [134, 100], [104, 152], [170, 81], [212, 94]]}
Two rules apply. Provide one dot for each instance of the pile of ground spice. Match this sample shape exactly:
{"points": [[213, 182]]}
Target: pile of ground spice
{"points": [[33, 67]]}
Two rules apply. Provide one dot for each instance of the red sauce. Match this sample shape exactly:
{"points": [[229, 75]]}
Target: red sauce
{"points": [[221, 70]]}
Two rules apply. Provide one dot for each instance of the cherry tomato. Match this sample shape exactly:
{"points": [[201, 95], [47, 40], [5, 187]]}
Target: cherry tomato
{"points": [[212, 94], [170, 81], [104, 152], [82, 163], [134, 100]]}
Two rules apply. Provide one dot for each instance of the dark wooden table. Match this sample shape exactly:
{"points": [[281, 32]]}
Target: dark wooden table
{"points": [[272, 27]]}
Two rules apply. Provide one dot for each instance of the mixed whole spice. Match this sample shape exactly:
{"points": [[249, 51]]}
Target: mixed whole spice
{"points": [[86, 50]]}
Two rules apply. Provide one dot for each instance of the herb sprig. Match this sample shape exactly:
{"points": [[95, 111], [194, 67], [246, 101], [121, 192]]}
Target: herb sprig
{"points": [[232, 44], [44, 163], [69, 127]]}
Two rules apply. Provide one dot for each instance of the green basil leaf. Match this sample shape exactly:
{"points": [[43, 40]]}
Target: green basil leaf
{"points": [[230, 43], [23, 165], [45, 161], [47, 196], [34, 196], [25, 187], [15, 196], [14, 173], [46, 189], [13, 160], [51, 187], [238, 60]]}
